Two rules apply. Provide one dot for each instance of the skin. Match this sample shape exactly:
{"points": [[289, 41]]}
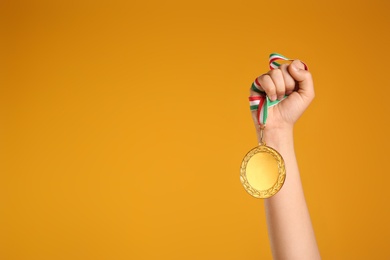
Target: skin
{"points": [[289, 226]]}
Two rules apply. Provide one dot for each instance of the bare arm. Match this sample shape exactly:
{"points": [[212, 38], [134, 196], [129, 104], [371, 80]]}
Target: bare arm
{"points": [[289, 226]]}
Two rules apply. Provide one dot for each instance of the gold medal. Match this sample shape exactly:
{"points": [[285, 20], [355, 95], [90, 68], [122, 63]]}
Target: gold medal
{"points": [[262, 171]]}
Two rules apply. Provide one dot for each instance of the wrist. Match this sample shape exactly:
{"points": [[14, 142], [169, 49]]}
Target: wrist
{"points": [[277, 137]]}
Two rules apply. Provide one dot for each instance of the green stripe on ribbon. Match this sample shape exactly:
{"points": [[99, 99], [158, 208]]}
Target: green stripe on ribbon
{"points": [[255, 89]]}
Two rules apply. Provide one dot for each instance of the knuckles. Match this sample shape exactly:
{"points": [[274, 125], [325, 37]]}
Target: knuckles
{"points": [[275, 73]]}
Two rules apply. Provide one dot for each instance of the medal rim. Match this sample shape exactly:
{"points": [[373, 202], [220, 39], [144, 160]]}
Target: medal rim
{"points": [[263, 194]]}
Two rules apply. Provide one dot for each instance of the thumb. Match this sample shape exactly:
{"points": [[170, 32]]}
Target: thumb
{"points": [[303, 78]]}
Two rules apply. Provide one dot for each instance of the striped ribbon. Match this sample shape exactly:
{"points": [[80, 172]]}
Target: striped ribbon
{"points": [[263, 102]]}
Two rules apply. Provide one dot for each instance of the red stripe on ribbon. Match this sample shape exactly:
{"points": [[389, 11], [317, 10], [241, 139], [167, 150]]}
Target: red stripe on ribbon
{"points": [[254, 98]]}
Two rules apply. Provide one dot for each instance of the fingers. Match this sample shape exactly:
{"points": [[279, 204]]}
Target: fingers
{"points": [[288, 80], [304, 79], [276, 83], [267, 86], [277, 79]]}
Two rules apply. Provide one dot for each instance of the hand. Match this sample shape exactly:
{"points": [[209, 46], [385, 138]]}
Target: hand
{"points": [[292, 80]]}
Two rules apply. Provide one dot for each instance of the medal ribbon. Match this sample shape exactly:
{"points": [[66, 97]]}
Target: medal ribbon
{"points": [[262, 103]]}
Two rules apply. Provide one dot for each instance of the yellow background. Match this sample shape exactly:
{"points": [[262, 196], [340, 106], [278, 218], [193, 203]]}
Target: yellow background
{"points": [[124, 123]]}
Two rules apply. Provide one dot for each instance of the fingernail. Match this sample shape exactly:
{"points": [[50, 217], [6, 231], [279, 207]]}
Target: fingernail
{"points": [[273, 97]]}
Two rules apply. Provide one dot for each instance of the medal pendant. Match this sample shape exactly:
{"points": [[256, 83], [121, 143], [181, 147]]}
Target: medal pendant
{"points": [[262, 171]]}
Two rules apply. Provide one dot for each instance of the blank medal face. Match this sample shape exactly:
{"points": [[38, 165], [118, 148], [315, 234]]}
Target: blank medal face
{"points": [[262, 172]]}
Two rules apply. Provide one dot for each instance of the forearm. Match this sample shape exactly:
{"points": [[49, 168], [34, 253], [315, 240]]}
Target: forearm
{"points": [[289, 226]]}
